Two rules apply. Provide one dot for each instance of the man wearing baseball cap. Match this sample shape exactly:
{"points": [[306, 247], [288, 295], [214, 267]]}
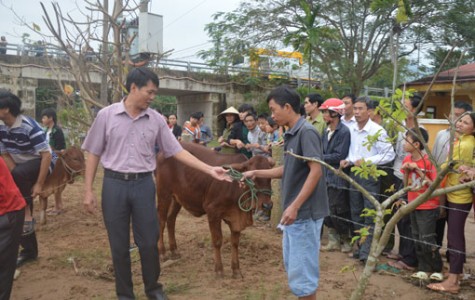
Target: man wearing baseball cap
{"points": [[336, 142]]}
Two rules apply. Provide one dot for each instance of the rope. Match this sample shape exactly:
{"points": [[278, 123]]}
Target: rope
{"points": [[248, 199]]}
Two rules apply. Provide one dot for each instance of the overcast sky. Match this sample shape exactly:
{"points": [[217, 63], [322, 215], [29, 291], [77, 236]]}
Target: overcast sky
{"points": [[183, 20]]}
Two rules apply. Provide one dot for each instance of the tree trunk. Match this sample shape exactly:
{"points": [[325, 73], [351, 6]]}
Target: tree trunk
{"points": [[278, 156]]}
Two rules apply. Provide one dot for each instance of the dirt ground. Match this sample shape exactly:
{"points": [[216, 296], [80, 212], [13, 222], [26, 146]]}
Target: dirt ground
{"points": [[74, 263]]}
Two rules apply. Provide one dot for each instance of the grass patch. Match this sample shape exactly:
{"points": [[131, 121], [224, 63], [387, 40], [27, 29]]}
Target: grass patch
{"points": [[177, 288]]}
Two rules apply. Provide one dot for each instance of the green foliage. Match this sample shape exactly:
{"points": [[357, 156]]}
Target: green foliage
{"points": [[372, 139], [329, 33], [345, 269], [46, 97], [438, 55], [74, 127], [368, 213], [384, 76], [166, 104], [367, 169]]}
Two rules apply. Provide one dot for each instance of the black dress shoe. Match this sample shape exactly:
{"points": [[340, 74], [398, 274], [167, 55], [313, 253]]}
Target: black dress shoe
{"points": [[24, 258]]}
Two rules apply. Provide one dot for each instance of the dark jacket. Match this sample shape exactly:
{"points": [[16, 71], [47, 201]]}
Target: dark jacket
{"points": [[335, 150], [177, 131], [239, 132], [56, 138]]}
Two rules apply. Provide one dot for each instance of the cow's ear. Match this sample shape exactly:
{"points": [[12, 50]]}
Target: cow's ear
{"points": [[240, 167]]}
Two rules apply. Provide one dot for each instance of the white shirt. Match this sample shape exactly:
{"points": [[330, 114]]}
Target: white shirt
{"points": [[380, 153], [348, 123]]}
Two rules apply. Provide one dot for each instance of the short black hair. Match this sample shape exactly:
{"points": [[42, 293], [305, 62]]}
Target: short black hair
{"points": [[314, 97], [10, 101], [263, 116], [251, 115], [415, 101], [197, 115], [140, 77], [415, 138], [285, 95], [271, 122], [364, 99], [463, 105], [50, 113], [372, 104], [351, 96], [246, 107]]}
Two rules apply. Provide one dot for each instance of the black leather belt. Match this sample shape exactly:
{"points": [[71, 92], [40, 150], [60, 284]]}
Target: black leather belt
{"points": [[125, 176]]}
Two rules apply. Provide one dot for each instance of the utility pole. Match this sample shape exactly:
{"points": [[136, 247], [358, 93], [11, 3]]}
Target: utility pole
{"points": [[105, 52]]}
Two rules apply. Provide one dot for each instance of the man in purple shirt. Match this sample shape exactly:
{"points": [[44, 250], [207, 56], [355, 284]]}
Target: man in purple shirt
{"points": [[123, 138]]}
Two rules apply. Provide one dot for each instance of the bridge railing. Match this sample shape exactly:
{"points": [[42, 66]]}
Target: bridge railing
{"points": [[190, 66], [40, 50]]}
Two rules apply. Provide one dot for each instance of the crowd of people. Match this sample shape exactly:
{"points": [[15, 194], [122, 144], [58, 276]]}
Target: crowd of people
{"points": [[335, 131]]}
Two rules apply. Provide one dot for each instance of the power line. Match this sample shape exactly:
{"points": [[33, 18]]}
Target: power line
{"points": [[193, 8]]}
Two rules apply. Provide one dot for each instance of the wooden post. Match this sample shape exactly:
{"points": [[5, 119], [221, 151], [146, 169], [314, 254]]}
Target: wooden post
{"points": [[278, 156]]}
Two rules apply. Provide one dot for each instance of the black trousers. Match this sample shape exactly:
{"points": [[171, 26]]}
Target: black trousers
{"points": [[339, 207], [11, 226], [122, 202], [407, 249], [357, 203], [423, 229], [25, 176]]}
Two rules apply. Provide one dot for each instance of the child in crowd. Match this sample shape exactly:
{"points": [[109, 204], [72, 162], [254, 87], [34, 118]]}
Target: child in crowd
{"points": [[54, 133], [419, 172], [273, 131], [191, 129], [256, 138]]}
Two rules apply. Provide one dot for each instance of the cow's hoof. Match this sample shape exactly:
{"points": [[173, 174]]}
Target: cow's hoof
{"points": [[219, 274], [42, 217], [175, 256], [237, 274], [164, 257]]}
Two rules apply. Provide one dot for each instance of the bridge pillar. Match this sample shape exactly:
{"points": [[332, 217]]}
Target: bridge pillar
{"points": [[11, 79], [210, 104]]}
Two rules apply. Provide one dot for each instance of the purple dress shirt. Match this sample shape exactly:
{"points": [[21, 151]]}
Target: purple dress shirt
{"points": [[127, 144]]}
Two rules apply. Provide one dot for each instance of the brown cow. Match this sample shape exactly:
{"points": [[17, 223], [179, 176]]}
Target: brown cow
{"points": [[179, 185], [70, 163]]}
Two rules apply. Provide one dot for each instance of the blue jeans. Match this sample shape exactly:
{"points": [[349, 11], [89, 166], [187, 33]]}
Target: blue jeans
{"points": [[301, 250]]}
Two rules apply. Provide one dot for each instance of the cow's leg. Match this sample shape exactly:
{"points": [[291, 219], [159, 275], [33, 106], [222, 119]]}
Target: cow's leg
{"points": [[163, 205], [217, 240], [235, 236], [172, 214], [44, 206], [58, 201]]}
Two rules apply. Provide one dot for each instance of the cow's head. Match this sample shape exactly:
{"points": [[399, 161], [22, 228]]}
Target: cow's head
{"points": [[261, 187], [73, 161]]}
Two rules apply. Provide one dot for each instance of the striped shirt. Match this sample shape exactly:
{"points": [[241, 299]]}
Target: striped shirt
{"points": [[24, 141]]}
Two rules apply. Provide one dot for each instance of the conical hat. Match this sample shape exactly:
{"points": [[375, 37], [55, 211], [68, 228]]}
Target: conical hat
{"points": [[230, 110]]}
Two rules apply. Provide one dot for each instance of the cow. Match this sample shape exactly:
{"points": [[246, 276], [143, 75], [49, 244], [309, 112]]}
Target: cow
{"points": [[70, 163], [182, 186]]}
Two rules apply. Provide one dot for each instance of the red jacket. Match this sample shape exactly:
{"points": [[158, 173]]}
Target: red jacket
{"points": [[10, 197]]}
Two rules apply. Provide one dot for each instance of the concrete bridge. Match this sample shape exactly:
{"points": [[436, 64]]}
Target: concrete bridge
{"points": [[195, 91]]}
